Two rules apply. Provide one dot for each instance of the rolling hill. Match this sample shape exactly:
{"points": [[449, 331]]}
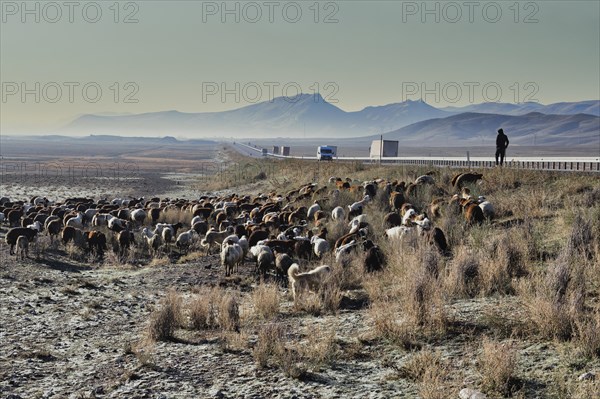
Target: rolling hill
{"points": [[473, 128]]}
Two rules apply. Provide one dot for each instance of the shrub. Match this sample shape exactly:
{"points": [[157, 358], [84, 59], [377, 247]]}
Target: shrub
{"points": [[166, 319], [498, 363], [265, 299]]}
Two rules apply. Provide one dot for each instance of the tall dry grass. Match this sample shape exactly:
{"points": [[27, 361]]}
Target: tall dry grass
{"points": [[498, 365], [166, 319]]}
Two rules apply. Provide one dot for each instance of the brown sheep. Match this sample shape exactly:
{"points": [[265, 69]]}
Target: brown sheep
{"points": [[13, 217], [303, 249], [125, 239], [13, 234], [282, 263], [70, 233], [473, 213], [397, 200], [460, 180], [256, 236], [437, 238], [96, 241], [54, 228], [375, 259], [392, 219]]}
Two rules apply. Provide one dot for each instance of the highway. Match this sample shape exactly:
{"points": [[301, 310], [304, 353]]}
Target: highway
{"points": [[591, 164]]}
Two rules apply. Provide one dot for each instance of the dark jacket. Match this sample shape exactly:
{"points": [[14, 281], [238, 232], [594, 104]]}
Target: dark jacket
{"points": [[501, 141]]}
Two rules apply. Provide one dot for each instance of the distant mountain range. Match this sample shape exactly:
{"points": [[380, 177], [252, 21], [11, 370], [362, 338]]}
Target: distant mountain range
{"points": [[311, 116], [473, 128], [583, 107], [166, 140]]}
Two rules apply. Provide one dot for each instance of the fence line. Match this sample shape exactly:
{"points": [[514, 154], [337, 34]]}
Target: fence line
{"points": [[582, 166]]}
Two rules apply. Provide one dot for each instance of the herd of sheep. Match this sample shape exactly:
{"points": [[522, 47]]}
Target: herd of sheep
{"points": [[275, 230]]}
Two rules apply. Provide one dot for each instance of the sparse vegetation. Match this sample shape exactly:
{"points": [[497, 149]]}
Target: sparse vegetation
{"points": [[525, 283]]}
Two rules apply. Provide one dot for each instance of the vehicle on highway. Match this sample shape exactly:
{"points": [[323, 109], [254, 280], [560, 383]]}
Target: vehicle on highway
{"points": [[326, 152]]}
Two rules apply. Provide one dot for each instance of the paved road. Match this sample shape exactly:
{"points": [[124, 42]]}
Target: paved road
{"points": [[246, 150]]}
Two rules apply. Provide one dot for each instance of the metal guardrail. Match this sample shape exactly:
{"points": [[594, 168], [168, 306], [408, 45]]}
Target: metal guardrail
{"points": [[564, 164]]}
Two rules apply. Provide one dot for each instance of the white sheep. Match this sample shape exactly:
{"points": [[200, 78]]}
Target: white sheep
{"points": [[320, 246], [314, 208], [344, 250], [138, 215], [154, 240], [422, 224], [89, 214], [101, 219], [231, 255], [35, 226], [358, 206], [408, 217], [338, 213], [486, 207], [116, 224], [396, 233], [243, 242], [76, 221], [425, 179], [184, 240], [196, 219], [230, 238]]}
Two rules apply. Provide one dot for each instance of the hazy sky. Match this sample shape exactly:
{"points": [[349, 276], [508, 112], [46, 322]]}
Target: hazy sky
{"points": [[179, 55]]}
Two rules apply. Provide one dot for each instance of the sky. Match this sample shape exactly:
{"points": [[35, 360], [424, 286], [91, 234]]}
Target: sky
{"points": [[59, 60]]}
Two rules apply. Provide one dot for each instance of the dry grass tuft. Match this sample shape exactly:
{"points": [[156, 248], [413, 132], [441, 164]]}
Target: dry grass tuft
{"points": [[202, 309], [166, 319], [587, 336], [320, 349], [229, 312], [462, 280], [430, 371], [270, 341], [555, 301], [498, 363], [265, 299]]}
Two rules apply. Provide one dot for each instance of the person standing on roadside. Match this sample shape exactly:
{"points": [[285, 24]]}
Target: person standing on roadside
{"points": [[501, 146]]}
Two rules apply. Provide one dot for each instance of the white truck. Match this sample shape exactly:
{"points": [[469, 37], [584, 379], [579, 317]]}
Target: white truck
{"points": [[326, 152]]}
